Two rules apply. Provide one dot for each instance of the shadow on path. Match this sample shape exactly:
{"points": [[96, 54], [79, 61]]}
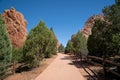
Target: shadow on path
{"points": [[82, 65]]}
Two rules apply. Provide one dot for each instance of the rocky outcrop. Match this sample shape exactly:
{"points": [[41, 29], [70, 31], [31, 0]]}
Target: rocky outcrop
{"points": [[16, 27], [86, 31]]}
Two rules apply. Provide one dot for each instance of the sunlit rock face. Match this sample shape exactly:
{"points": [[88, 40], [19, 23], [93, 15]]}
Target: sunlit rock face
{"points": [[16, 27], [86, 30]]}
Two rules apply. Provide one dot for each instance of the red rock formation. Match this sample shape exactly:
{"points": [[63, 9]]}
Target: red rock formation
{"points": [[86, 31], [16, 27]]}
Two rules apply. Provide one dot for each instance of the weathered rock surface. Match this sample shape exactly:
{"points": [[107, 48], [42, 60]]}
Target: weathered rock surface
{"points": [[86, 31], [16, 27]]}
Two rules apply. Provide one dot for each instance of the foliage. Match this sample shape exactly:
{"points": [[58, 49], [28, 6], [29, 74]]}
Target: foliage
{"points": [[5, 45], [54, 44], [80, 45], [61, 48], [39, 44], [97, 43], [77, 45], [17, 54], [69, 47], [112, 14], [105, 38]]}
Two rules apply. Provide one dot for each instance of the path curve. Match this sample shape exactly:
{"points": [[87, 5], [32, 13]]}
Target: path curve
{"points": [[61, 68]]}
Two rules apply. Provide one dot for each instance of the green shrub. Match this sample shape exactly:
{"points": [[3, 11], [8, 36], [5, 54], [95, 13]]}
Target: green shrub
{"points": [[5, 46], [17, 54], [39, 44], [105, 38], [61, 48], [77, 45], [69, 47]]}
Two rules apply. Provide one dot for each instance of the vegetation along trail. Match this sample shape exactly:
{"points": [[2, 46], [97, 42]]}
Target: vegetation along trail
{"points": [[61, 68]]}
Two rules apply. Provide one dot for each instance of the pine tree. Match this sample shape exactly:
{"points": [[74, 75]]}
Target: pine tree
{"points": [[40, 44], [5, 45], [80, 45], [69, 47], [105, 38], [112, 14], [54, 42], [97, 43], [61, 48], [77, 45]]}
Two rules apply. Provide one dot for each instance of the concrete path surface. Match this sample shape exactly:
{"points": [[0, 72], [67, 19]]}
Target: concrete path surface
{"points": [[61, 69]]}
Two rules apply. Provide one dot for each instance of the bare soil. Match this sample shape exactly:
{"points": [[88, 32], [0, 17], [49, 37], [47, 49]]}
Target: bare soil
{"points": [[32, 74], [78, 63], [62, 68]]}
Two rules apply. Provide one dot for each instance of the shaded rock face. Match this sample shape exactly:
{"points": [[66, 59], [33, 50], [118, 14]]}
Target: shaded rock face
{"points": [[86, 31], [16, 27]]}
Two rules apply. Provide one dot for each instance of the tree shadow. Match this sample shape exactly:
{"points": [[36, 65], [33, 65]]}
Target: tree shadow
{"points": [[23, 68], [66, 58], [70, 63], [84, 65]]}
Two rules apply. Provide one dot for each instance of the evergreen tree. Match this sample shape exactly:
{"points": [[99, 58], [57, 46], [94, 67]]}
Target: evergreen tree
{"points": [[105, 38], [39, 44], [97, 43], [17, 54], [54, 44], [61, 48], [112, 14], [80, 45], [77, 45], [50, 44], [69, 47], [5, 45]]}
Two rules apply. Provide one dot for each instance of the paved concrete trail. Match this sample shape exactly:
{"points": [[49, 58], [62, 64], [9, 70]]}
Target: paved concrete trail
{"points": [[61, 69]]}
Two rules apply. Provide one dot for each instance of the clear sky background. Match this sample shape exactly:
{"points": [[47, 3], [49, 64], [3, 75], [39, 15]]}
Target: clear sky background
{"points": [[65, 16]]}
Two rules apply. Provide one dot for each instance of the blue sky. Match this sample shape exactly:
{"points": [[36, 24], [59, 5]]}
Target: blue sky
{"points": [[65, 16]]}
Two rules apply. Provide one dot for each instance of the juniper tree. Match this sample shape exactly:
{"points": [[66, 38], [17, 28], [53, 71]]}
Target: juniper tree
{"points": [[39, 44], [5, 45], [105, 38]]}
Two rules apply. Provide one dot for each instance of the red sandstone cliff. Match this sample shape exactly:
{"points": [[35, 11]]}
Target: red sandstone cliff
{"points": [[86, 31], [16, 27]]}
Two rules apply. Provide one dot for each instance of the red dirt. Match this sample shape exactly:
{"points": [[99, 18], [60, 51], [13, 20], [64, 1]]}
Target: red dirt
{"points": [[31, 75]]}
